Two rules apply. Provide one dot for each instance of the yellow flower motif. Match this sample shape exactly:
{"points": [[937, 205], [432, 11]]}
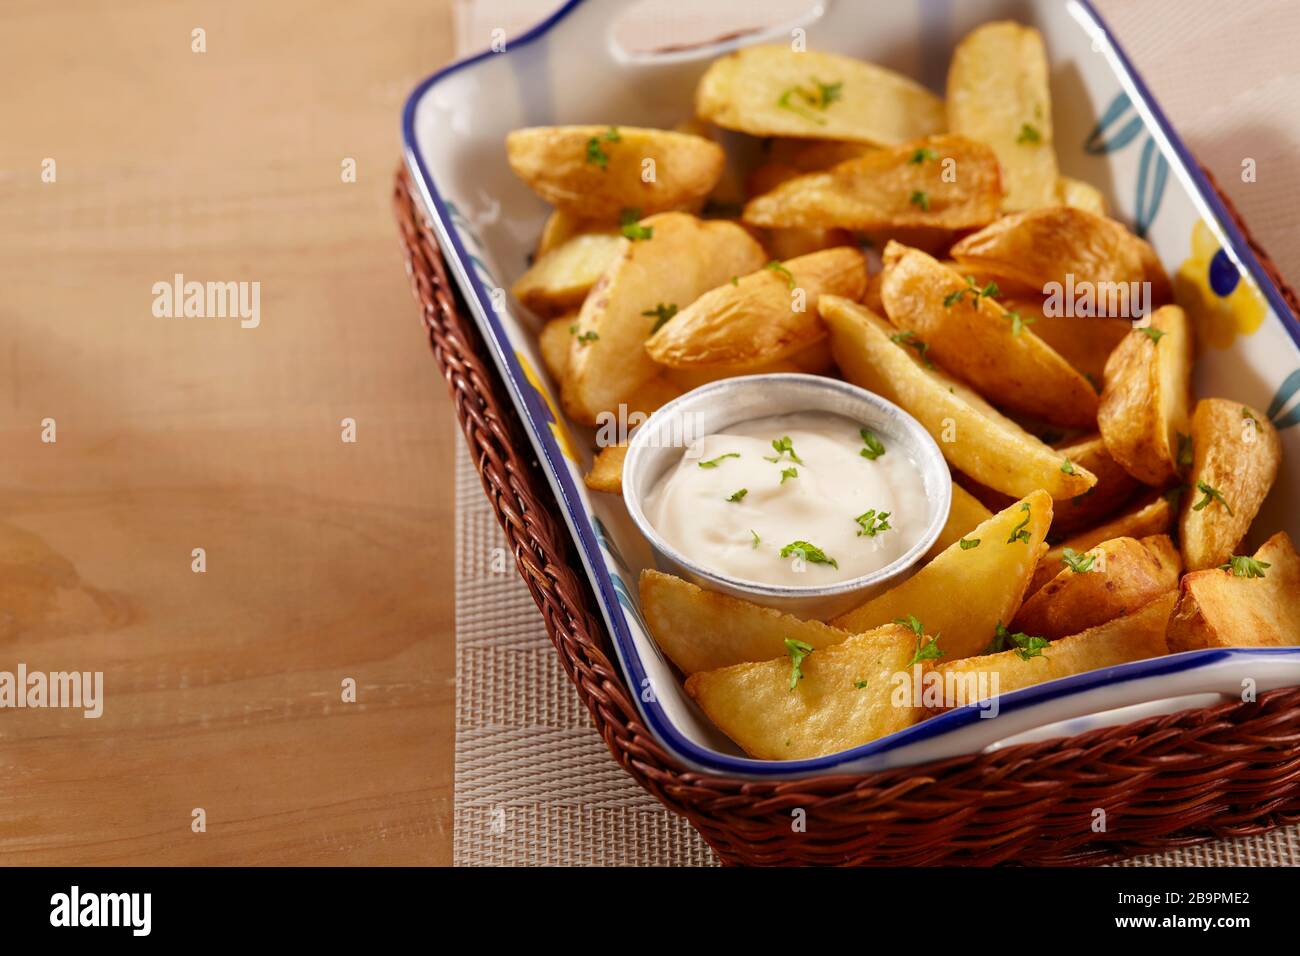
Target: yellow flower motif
{"points": [[558, 429], [1222, 301]]}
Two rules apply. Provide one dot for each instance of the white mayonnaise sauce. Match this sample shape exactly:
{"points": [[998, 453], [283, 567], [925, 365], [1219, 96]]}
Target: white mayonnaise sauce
{"points": [[819, 502]]}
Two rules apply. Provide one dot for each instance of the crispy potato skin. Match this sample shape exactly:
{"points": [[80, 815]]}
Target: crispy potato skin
{"points": [[974, 339], [962, 595], [1150, 516], [973, 436], [607, 470], [758, 319], [561, 279], [1134, 637], [554, 161], [965, 515], [879, 191], [826, 711], [1125, 576], [1086, 343], [1043, 246], [1235, 450], [702, 630], [1144, 403], [1113, 489], [997, 85], [744, 91], [684, 258], [1217, 609]]}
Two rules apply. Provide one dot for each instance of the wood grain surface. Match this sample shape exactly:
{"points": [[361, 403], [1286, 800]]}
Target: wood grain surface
{"points": [[326, 560]]}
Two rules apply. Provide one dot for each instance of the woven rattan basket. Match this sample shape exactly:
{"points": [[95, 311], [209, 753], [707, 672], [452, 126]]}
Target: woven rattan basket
{"points": [[1226, 771]]}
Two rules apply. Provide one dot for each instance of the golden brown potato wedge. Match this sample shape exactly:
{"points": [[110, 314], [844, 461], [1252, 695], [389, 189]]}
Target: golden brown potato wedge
{"points": [[777, 91], [843, 698], [554, 341], [1165, 552], [973, 337], [561, 226], [1144, 403], [607, 470], [1114, 487], [684, 258], [896, 188], [998, 95], [813, 360], [1151, 516], [962, 595], [1113, 579], [1134, 637], [973, 436], [1250, 604], [766, 316], [561, 279], [810, 155], [782, 244], [702, 630], [1086, 343], [1235, 457], [965, 515], [1068, 246], [597, 172], [1080, 195]]}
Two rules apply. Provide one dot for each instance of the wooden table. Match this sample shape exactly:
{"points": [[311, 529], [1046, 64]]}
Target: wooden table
{"points": [[325, 560]]}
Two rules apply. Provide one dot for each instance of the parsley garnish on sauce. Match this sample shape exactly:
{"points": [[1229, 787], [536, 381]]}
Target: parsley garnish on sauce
{"points": [[874, 447], [714, 462], [810, 553], [783, 446], [738, 495], [791, 472], [871, 523]]}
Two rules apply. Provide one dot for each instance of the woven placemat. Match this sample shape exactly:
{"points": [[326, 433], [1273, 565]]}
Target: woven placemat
{"points": [[534, 783]]}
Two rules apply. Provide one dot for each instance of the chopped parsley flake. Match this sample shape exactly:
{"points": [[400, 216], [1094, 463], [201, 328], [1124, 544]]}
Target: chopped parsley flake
{"points": [[738, 495], [662, 314], [874, 447], [1210, 494], [871, 523], [1019, 533], [714, 462], [1244, 566], [809, 552], [797, 650]]}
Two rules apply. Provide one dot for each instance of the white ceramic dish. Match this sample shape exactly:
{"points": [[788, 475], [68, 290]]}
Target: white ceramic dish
{"points": [[1109, 132]]}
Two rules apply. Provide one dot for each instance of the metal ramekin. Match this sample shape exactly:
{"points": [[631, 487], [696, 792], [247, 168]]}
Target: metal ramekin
{"points": [[659, 444]]}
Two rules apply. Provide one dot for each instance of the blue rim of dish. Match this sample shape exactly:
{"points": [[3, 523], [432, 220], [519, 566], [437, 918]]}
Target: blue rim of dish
{"points": [[537, 416]]}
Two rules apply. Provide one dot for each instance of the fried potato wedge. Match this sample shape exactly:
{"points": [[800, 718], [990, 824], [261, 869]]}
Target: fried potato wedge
{"points": [[842, 700], [774, 90], [684, 258], [784, 244], [1134, 637], [962, 595], [1080, 195], [596, 172], [561, 279], [1235, 457], [973, 436], [1144, 403], [1150, 516], [811, 155], [973, 337], [965, 515], [1218, 608], [607, 470], [1116, 578], [813, 360], [702, 630], [1043, 246], [1114, 487], [554, 341], [1086, 343], [561, 226], [763, 317], [998, 95], [895, 188]]}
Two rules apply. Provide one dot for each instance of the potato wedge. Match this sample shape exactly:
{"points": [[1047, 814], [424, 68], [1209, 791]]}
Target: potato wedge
{"points": [[1144, 403], [1115, 578], [596, 172], [814, 360], [811, 155], [1165, 552], [1219, 608], [842, 700], [973, 436], [962, 595], [684, 258], [561, 279], [766, 316], [607, 470], [1114, 487], [1150, 516], [561, 226], [998, 95], [782, 244], [1069, 246], [973, 337], [1086, 343], [965, 515], [1080, 195], [900, 187], [1134, 637], [554, 341], [702, 630], [1235, 457], [776, 91]]}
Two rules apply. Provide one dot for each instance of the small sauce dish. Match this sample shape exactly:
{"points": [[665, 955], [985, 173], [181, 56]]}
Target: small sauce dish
{"points": [[658, 446]]}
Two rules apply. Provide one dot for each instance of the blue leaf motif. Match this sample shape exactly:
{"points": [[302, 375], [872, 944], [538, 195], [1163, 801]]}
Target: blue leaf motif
{"points": [[1290, 385], [1097, 144], [1153, 174]]}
